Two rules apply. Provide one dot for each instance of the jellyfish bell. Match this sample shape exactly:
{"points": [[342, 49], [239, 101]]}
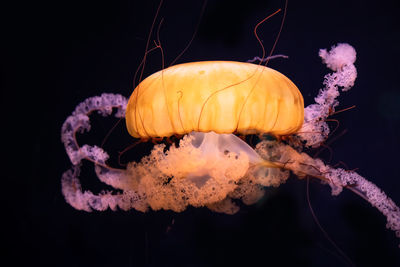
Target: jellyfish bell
{"points": [[219, 96]]}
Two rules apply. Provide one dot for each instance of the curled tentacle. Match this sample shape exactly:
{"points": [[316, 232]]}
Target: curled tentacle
{"points": [[71, 187]]}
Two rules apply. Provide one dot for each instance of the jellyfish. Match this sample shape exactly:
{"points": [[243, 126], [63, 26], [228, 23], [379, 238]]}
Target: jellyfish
{"points": [[210, 103]]}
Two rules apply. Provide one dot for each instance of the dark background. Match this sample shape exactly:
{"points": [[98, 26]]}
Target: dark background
{"points": [[55, 54]]}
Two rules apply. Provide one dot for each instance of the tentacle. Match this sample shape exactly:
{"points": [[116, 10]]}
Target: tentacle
{"points": [[373, 194], [79, 122], [341, 60], [72, 191], [262, 60], [301, 164], [117, 178]]}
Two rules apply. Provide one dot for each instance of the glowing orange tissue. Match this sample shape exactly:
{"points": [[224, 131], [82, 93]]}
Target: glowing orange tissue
{"points": [[219, 96]]}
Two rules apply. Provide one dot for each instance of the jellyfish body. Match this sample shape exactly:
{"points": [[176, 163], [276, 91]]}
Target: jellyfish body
{"points": [[219, 96], [211, 167]]}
